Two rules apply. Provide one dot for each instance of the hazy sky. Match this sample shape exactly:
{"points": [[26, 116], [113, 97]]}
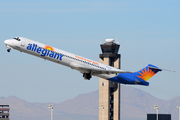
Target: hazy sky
{"points": [[148, 32]]}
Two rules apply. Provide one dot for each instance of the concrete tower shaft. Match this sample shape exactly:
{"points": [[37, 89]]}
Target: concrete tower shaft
{"points": [[109, 92]]}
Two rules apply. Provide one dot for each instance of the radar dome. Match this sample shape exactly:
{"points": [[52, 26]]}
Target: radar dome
{"points": [[110, 40]]}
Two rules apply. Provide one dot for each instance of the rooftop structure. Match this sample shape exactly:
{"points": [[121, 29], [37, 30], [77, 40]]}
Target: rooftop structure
{"points": [[4, 112]]}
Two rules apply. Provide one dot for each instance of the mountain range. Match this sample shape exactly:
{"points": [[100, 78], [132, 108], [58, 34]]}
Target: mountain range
{"points": [[135, 104]]}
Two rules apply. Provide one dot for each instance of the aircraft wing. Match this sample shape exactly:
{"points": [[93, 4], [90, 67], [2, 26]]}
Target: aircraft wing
{"points": [[100, 71]]}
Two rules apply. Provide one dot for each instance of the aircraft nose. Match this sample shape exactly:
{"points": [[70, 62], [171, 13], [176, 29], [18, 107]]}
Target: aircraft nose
{"points": [[7, 42]]}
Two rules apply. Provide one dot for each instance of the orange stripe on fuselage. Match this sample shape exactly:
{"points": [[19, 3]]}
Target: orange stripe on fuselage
{"points": [[86, 60], [89, 61], [95, 63]]}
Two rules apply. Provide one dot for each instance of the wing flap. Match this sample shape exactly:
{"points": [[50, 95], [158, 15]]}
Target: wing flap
{"points": [[100, 71]]}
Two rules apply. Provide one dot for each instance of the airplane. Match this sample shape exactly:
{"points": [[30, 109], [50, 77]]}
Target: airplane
{"points": [[86, 66]]}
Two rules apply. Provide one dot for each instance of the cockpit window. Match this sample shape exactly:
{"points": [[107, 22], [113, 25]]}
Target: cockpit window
{"points": [[17, 38]]}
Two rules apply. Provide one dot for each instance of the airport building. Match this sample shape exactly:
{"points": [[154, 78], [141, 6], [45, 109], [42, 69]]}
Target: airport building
{"points": [[4, 112], [160, 117], [109, 92]]}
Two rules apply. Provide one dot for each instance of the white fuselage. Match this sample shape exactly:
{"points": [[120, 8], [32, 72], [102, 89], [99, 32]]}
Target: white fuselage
{"points": [[73, 61]]}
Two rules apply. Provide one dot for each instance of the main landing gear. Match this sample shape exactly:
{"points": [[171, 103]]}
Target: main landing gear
{"points": [[87, 76]]}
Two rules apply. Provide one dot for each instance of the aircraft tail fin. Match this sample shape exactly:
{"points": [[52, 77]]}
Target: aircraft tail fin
{"points": [[147, 72]]}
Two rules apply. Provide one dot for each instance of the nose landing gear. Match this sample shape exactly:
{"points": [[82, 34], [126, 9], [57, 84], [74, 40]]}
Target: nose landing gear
{"points": [[8, 50]]}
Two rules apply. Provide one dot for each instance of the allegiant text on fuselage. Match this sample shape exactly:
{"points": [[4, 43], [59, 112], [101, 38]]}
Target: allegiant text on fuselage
{"points": [[44, 51]]}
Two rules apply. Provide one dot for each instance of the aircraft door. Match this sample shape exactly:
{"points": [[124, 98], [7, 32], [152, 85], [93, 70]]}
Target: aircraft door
{"points": [[23, 42]]}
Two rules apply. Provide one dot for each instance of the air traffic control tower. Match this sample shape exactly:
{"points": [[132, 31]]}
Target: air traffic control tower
{"points": [[109, 92]]}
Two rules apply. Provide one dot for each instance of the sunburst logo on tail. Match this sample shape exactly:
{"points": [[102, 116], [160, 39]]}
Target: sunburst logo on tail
{"points": [[49, 48], [146, 73]]}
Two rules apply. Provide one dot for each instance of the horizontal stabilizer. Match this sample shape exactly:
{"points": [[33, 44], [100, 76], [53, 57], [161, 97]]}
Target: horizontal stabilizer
{"points": [[161, 69]]}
